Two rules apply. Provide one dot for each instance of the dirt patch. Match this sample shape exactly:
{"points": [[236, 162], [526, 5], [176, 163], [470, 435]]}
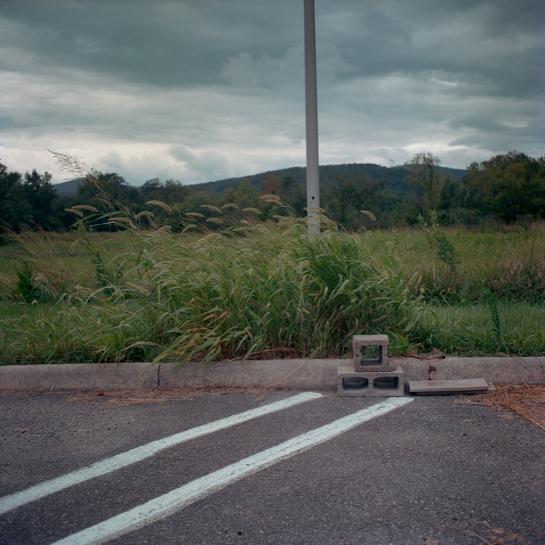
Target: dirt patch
{"points": [[435, 354], [525, 401], [139, 397], [491, 535]]}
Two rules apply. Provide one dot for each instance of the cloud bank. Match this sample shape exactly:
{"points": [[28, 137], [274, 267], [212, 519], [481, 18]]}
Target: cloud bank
{"points": [[201, 90]]}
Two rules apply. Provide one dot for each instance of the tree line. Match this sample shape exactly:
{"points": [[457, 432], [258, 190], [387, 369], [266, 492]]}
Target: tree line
{"points": [[506, 188]]}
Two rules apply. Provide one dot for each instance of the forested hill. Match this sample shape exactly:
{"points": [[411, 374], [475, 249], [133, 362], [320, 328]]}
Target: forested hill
{"points": [[393, 178], [507, 187]]}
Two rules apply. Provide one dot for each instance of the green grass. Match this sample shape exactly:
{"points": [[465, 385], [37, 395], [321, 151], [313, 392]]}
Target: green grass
{"points": [[470, 330], [62, 261], [149, 295]]}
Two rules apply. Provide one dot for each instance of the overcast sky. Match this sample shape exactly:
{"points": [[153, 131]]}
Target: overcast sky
{"points": [[208, 89]]}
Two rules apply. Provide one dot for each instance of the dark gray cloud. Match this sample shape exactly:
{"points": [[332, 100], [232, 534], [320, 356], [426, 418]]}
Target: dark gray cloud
{"points": [[205, 89], [168, 43]]}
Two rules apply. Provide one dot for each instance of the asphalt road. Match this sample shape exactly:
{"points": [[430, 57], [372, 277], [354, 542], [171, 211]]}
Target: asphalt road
{"points": [[434, 471]]}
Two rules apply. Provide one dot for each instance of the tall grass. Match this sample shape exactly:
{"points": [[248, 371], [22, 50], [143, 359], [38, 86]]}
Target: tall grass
{"points": [[216, 297], [257, 291]]}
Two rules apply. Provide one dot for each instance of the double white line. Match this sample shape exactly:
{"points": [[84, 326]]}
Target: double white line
{"points": [[181, 497], [7, 503]]}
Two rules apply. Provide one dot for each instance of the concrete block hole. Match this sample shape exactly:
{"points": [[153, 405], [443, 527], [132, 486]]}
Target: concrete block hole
{"points": [[355, 383], [371, 355], [386, 383]]}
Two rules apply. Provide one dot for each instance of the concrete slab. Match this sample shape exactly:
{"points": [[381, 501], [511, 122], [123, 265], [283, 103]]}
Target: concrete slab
{"points": [[434, 387]]}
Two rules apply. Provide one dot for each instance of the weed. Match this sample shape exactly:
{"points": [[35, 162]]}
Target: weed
{"points": [[30, 288], [446, 252], [109, 276], [25, 284], [495, 318]]}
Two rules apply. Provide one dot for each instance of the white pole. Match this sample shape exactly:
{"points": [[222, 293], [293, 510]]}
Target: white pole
{"points": [[311, 109]]}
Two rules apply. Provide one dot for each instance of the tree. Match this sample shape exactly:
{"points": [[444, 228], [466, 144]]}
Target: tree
{"points": [[245, 195], [109, 189], [14, 210], [170, 192], [293, 194], [42, 199], [508, 186], [272, 185], [29, 201], [347, 198], [425, 180]]}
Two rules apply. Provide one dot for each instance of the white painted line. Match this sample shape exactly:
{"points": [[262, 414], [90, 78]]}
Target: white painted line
{"points": [[181, 497], [12, 501]]}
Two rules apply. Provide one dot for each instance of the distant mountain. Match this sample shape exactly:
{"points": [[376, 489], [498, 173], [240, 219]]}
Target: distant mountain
{"points": [[70, 187], [394, 178]]}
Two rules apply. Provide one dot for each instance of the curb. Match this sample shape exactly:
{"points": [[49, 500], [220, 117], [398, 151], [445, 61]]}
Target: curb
{"points": [[295, 374], [514, 370], [74, 376]]}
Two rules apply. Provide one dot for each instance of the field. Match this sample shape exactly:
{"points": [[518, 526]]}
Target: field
{"points": [[271, 292]]}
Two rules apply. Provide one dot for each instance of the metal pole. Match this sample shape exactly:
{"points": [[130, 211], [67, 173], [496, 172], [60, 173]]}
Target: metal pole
{"points": [[311, 110]]}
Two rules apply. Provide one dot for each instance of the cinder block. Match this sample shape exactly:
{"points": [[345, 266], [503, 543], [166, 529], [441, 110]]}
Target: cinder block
{"points": [[370, 353], [370, 383]]}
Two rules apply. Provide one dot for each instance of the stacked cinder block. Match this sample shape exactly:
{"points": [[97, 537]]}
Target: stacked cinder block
{"points": [[371, 373]]}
